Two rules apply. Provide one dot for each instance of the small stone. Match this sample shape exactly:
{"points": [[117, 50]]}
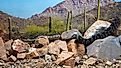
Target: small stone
{"points": [[21, 55], [85, 57], [119, 61], [90, 61], [53, 57], [32, 54], [2, 64], [27, 66], [64, 66], [12, 58], [48, 58], [64, 56], [53, 49], [84, 66], [40, 64], [77, 59], [109, 63], [20, 46]]}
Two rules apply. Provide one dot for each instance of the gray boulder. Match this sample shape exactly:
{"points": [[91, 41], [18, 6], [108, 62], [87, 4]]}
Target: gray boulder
{"points": [[106, 49], [70, 33]]}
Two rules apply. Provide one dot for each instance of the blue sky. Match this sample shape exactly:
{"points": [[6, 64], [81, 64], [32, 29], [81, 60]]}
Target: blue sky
{"points": [[26, 8]]}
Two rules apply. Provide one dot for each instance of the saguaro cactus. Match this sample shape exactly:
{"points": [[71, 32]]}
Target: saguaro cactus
{"points": [[9, 28], [50, 24], [69, 20], [98, 13], [84, 16], [67, 24], [70, 26]]}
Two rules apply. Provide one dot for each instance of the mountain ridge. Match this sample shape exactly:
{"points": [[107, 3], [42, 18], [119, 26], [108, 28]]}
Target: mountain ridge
{"points": [[76, 6]]}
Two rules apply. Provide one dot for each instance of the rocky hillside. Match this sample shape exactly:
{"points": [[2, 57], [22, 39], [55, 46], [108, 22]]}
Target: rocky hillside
{"points": [[15, 21], [76, 6]]}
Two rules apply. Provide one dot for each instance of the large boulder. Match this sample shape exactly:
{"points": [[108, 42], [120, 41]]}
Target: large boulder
{"points": [[96, 27], [20, 46], [107, 49], [41, 41]]}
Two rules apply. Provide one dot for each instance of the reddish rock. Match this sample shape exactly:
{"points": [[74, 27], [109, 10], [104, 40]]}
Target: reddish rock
{"points": [[64, 56], [81, 50], [69, 62], [20, 46], [72, 47], [2, 50], [53, 48]]}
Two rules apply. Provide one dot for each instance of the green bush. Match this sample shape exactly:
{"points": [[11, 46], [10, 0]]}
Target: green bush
{"points": [[34, 30], [58, 27]]}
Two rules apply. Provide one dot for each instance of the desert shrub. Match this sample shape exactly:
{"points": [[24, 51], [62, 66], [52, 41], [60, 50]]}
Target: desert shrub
{"points": [[35, 30], [58, 27]]}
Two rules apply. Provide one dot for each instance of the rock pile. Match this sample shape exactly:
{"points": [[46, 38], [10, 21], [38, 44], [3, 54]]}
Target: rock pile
{"points": [[103, 53], [43, 53]]}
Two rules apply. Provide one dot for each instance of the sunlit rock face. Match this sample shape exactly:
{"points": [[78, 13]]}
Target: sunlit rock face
{"points": [[96, 27]]}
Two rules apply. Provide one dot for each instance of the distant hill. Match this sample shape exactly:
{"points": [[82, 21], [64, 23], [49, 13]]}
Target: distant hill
{"points": [[19, 22]]}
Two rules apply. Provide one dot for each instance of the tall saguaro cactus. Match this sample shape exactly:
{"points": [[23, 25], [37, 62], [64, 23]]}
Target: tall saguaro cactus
{"points": [[9, 28], [70, 26], [50, 24], [69, 20], [98, 13], [67, 24], [85, 16]]}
